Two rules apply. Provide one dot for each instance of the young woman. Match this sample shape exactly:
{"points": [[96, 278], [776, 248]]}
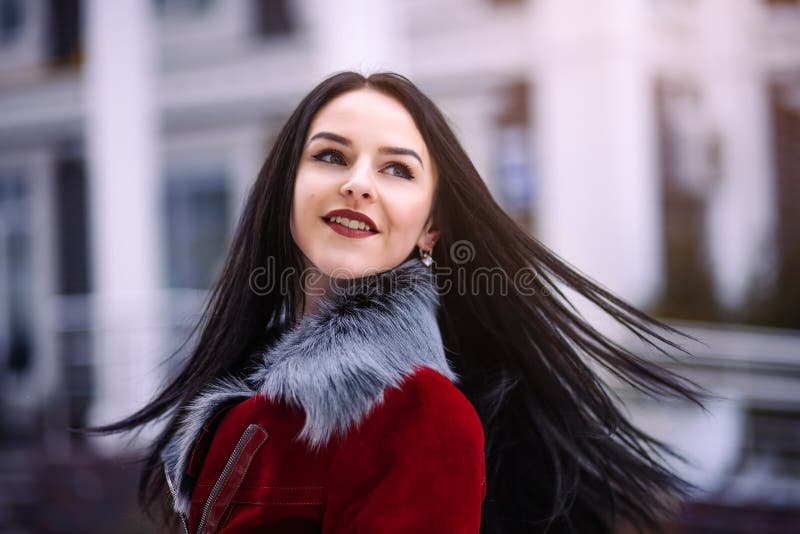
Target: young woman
{"points": [[355, 372]]}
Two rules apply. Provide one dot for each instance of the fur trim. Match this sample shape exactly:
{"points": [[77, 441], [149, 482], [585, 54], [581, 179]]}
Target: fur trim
{"points": [[368, 335], [176, 452]]}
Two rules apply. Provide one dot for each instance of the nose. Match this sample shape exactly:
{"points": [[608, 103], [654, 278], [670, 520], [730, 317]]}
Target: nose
{"points": [[359, 184]]}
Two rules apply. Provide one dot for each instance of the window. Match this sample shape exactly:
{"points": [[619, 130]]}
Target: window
{"points": [[513, 155], [72, 231], [16, 284], [12, 19], [73, 283], [774, 298], [197, 215], [689, 165], [65, 32], [767, 471], [273, 17]]}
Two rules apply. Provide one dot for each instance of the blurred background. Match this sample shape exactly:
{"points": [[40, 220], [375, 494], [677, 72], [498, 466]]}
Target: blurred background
{"points": [[653, 144]]}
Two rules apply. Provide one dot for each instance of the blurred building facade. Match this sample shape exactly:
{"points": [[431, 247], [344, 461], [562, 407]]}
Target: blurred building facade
{"points": [[654, 144]]}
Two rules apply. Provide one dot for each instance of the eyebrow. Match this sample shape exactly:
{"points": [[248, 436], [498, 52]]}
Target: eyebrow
{"points": [[395, 150]]}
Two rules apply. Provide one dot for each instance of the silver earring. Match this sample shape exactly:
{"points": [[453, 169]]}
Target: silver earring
{"points": [[425, 257]]}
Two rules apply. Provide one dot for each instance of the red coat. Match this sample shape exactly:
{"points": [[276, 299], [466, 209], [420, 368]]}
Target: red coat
{"points": [[352, 422], [415, 464]]}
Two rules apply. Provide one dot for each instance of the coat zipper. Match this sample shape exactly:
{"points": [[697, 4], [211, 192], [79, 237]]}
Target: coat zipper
{"points": [[174, 496], [221, 480]]}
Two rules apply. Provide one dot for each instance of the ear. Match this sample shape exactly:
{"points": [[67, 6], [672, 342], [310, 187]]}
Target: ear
{"points": [[429, 236]]}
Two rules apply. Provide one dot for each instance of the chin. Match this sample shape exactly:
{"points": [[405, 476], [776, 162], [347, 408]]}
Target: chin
{"points": [[337, 266]]}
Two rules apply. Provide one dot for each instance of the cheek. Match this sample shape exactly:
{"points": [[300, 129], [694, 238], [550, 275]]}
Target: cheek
{"points": [[298, 208], [306, 190], [305, 207], [409, 217]]}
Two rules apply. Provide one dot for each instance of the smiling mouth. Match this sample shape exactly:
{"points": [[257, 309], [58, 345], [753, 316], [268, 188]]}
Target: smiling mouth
{"points": [[345, 227], [350, 223]]}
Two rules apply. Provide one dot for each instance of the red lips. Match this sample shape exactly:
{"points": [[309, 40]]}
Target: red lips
{"points": [[353, 216]]}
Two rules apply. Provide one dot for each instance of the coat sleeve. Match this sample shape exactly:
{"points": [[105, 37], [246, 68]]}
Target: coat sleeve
{"points": [[414, 465]]}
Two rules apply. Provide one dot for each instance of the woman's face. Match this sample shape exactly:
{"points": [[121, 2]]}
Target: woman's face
{"points": [[363, 162]]}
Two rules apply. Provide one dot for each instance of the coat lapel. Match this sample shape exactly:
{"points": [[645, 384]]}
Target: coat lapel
{"points": [[368, 335]]}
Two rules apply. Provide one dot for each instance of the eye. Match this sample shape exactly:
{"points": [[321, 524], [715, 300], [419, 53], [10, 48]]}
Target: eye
{"points": [[331, 156], [404, 171]]}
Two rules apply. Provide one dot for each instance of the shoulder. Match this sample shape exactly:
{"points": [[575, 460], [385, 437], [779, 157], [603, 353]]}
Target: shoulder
{"points": [[422, 446], [426, 404], [424, 430], [434, 396]]}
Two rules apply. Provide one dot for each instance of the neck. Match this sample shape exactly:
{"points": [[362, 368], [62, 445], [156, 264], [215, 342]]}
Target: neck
{"points": [[316, 286]]}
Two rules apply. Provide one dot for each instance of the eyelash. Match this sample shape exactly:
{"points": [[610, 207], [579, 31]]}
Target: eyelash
{"points": [[408, 174]]}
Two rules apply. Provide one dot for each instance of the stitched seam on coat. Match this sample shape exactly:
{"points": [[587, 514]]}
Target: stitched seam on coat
{"points": [[267, 503], [294, 488]]}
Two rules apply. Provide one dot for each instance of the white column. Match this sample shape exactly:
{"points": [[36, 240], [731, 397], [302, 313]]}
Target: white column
{"points": [[122, 150], [734, 89], [361, 35], [598, 202]]}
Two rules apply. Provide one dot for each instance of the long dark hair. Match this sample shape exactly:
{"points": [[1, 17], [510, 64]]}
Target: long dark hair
{"points": [[560, 455]]}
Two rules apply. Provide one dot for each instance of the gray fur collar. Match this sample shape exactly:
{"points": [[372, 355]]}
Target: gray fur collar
{"points": [[335, 364]]}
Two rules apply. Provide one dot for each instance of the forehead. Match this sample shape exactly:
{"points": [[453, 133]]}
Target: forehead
{"points": [[368, 116]]}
